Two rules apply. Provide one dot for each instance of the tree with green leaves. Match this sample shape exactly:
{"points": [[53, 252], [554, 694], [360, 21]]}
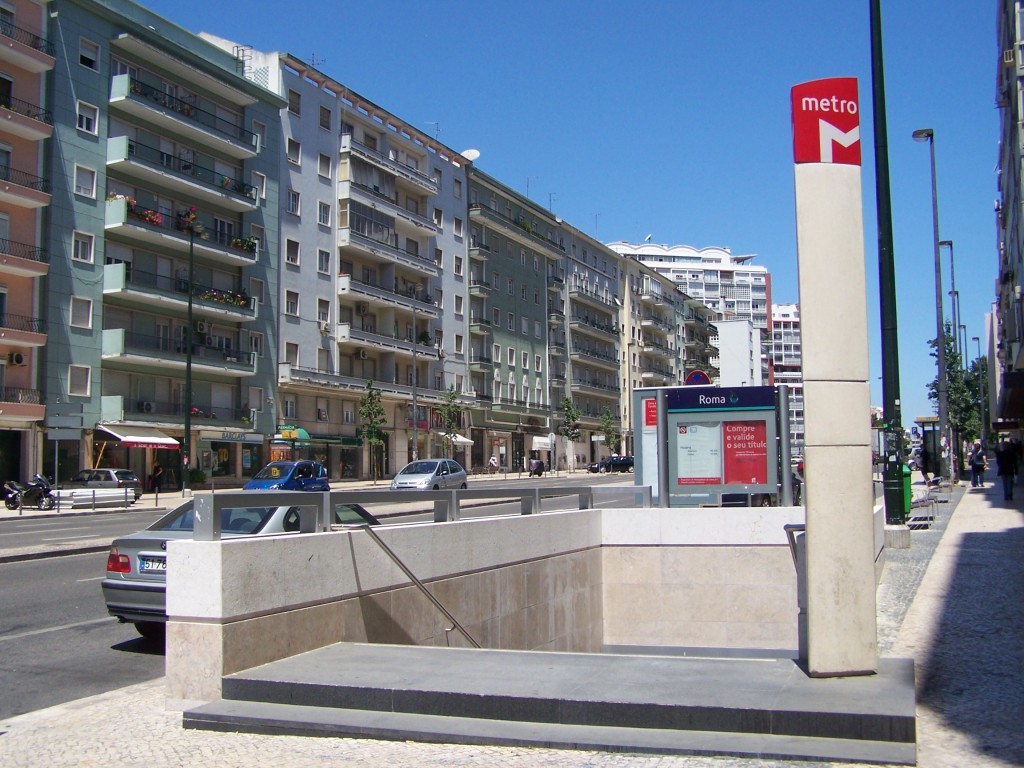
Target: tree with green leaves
{"points": [[610, 430], [372, 420], [450, 414], [963, 403], [570, 430]]}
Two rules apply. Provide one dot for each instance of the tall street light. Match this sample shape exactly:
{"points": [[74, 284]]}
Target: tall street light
{"points": [[927, 134], [194, 228], [954, 299], [415, 377], [983, 386]]}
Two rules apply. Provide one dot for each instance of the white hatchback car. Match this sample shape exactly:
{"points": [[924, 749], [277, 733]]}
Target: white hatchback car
{"points": [[430, 475]]}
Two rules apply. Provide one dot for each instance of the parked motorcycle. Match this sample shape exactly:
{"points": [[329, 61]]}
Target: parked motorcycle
{"points": [[37, 493]]}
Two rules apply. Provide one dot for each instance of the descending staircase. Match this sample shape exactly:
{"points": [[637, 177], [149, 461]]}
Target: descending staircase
{"points": [[661, 704]]}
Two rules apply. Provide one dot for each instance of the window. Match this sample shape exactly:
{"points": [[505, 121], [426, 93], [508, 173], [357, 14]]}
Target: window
{"points": [[291, 251], [511, 357], [438, 257], [259, 181], [256, 286], [524, 325], [81, 249], [259, 234], [525, 360], [323, 310], [85, 181], [294, 102], [496, 317], [88, 118], [522, 257], [457, 227], [536, 297], [294, 199], [291, 302], [289, 406], [294, 152], [81, 312], [458, 304], [511, 325], [260, 129], [255, 401], [256, 346], [458, 265], [79, 377], [325, 118], [496, 280], [536, 263], [458, 189], [324, 165], [439, 298], [536, 363], [323, 261], [438, 218], [511, 286], [522, 291], [323, 214], [89, 54], [458, 344]]}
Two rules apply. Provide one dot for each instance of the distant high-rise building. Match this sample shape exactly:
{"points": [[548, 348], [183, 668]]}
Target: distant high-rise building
{"points": [[787, 366]]}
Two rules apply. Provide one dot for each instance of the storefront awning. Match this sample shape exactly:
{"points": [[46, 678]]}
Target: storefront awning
{"points": [[139, 437], [541, 443], [456, 439]]}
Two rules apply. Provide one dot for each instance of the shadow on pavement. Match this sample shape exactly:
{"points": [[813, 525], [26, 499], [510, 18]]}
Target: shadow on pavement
{"points": [[972, 675]]}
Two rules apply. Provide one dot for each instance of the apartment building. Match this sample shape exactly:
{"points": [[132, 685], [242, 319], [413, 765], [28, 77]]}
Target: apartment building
{"points": [[162, 289], [787, 366], [26, 56], [517, 324], [740, 354], [373, 273]]}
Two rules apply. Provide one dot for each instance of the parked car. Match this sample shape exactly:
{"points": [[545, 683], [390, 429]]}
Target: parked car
{"points": [[430, 475], [613, 464], [106, 478], [135, 588], [290, 476]]}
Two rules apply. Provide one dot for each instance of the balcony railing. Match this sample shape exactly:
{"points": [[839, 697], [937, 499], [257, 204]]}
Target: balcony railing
{"points": [[156, 158], [606, 327], [23, 251], [583, 293], [399, 169], [186, 220], [516, 225], [235, 298], [22, 323], [26, 109], [23, 179], [139, 90], [20, 395], [316, 376], [198, 412], [594, 353], [25, 37], [201, 351]]}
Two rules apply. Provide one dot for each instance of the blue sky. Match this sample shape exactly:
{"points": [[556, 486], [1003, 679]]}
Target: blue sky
{"points": [[672, 118]]}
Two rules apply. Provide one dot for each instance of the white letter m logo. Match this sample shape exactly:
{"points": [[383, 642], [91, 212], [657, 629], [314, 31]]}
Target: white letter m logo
{"points": [[828, 133]]}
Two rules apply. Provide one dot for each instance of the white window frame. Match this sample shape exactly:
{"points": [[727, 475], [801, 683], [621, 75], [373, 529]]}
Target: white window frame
{"points": [[460, 302], [77, 371], [323, 213], [287, 252], [83, 53], [297, 110], [292, 311], [297, 160], [323, 265], [259, 180], [457, 227], [324, 164], [95, 118], [293, 202], [86, 239], [85, 305], [91, 192]]}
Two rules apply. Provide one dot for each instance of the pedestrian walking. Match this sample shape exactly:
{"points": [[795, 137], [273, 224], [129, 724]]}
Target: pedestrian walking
{"points": [[979, 463], [924, 461], [156, 477], [1006, 468]]}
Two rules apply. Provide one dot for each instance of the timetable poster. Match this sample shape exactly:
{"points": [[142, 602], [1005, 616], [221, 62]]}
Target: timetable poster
{"points": [[746, 452], [699, 454]]}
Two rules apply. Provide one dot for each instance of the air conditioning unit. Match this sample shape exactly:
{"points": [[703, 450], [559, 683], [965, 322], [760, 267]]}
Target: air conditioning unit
{"points": [[202, 326], [361, 354], [1008, 58], [362, 308], [321, 414], [16, 358], [325, 327], [147, 407], [209, 341]]}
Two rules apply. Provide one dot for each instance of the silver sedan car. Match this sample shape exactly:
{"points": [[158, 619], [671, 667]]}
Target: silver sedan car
{"points": [[430, 475], [135, 588]]}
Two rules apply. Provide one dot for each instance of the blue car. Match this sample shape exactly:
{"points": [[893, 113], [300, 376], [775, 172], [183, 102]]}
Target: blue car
{"points": [[290, 476]]}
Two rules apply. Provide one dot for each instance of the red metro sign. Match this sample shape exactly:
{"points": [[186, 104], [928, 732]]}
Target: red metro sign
{"points": [[826, 121]]}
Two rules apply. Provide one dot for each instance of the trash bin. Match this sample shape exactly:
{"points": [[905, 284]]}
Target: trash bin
{"points": [[907, 493]]}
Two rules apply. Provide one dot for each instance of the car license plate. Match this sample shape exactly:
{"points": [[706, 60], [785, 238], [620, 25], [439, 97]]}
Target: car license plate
{"points": [[149, 564]]}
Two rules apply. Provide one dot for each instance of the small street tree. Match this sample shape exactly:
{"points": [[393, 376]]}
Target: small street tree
{"points": [[962, 401], [450, 413], [610, 430], [372, 420], [570, 430]]}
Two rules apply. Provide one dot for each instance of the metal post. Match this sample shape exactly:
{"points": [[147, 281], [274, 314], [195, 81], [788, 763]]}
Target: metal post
{"points": [[785, 448], [415, 381], [186, 447], [895, 511], [927, 134], [662, 450], [983, 386], [954, 297]]}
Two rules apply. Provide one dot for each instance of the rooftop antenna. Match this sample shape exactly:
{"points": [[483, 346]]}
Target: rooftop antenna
{"points": [[437, 128], [528, 184], [314, 61], [551, 201]]}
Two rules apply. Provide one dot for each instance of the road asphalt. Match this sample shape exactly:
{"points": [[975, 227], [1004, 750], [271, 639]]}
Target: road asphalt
{"points": [[951, 602]]}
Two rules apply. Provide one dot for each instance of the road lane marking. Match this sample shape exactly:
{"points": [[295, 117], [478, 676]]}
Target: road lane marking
{"points": [[94, 578], [61, 628]]}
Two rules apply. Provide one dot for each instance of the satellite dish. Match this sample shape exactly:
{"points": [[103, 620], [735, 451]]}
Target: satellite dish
{"points": [[471, 154]]}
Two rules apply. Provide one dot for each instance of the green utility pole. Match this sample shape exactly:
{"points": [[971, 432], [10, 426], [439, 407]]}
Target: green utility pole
{"points": [[895, 508]]}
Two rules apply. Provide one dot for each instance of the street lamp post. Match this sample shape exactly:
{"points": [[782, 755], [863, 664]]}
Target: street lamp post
{"points": [[186, 448], [983, 386], [415, 379], [927, 134], [954, 298]]}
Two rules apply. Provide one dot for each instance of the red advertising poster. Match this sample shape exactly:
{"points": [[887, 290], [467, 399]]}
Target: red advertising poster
{"points": [[745, 446], [650, 412]]}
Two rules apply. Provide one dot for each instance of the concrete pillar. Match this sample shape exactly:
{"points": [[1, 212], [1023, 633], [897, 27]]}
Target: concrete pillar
{"points": [[841, 624]]}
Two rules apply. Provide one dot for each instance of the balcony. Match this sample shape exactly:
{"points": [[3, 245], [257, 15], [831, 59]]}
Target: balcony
{"points": [[519, 229], [412, 175], [371, 340], [25, 49], [350, 287], [385, 251], [373, 197], [290, 374], [181, 118], [656, 298], [142, 352], [121, 408], [653, 348], [593, 327], [481, 363], [20, 407], [479, 325], [153, 292], [657, 323], [595, 388], [22, 331], [652, 374], [22, 189], [480, 251], [556, 347], [593, 298], [595, 357], [25, 120], [160, 170], [22, 259], [556, 316], [155, 229], [479, 288]]}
